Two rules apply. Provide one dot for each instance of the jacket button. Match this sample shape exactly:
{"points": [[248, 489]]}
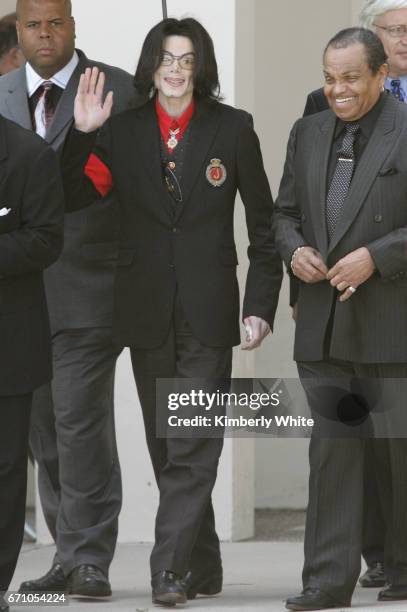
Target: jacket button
{"points": [[378, 218], [303, 217], [175, 230]]}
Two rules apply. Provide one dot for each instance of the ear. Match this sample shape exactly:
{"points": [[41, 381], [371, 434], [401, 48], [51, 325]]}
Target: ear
{"points": [[18, 30], [383, 71], [16, 57]]}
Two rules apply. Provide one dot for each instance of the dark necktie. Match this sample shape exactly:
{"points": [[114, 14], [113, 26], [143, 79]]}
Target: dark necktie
{"points": [[342, 177], [397, 91], [44, 109]]}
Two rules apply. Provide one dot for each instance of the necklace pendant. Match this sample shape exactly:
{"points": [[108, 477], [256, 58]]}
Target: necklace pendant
{"points": [[173, 141]]}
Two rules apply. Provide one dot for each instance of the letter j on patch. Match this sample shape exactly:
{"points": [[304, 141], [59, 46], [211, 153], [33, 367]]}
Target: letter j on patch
{"points": [[216, 173]]}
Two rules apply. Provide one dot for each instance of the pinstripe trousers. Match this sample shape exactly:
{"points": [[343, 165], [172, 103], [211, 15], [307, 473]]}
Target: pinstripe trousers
{"points": [[355, 407]]}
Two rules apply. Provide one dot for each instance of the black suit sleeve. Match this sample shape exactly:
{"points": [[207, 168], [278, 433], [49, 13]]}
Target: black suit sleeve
{"points": [[80, 191], [265, 269], [36, 244], [287, 217]]}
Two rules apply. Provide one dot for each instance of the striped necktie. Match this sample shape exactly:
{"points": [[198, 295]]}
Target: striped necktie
{"points": [[44, 111]]}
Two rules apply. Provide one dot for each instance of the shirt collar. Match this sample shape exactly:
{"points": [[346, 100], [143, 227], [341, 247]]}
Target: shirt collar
{"points": [[61, 78], [368, 121], [166, 121]]}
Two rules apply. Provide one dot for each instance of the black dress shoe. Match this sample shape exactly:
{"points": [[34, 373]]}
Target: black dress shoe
{"points": [[167, 589], [206, 582], [52, 582], [88, 581], [313, 599], [393, 592], [373, 577]]}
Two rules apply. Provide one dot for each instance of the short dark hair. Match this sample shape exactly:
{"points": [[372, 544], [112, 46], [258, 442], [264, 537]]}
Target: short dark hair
{"points": [[206, 80], [8, 37], [375, 53]]}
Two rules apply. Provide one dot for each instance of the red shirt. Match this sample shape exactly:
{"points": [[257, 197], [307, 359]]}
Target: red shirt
{"points": [[100, 174], [168, 123]]}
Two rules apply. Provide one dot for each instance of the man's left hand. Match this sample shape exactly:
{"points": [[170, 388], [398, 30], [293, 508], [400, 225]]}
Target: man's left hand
{"points": [[256, 330], [351, 271]]}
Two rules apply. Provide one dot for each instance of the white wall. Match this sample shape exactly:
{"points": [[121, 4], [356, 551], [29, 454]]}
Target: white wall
{"points": [[7, 6]]}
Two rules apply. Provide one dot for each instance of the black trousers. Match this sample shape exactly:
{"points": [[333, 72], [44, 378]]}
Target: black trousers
{"points": [[334, 525], [15, 423], [185, 468]]}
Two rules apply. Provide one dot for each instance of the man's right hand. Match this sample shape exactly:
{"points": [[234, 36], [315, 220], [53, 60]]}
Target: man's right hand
{"points": [[309, 266], [90, 111]]}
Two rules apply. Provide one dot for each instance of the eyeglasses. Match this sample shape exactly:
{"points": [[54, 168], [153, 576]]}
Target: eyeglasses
{"points": [[395, 31], [173, 186], [185, 61]]}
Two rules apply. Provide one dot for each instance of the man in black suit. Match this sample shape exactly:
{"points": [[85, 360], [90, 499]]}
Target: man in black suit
{"points": [[31, 219], [176, 164], [373, 523], [341, 227], [388, 19], [72, 428]]}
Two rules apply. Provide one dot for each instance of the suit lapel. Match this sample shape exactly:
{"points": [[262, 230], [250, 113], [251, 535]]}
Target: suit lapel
{"points": [[145, 139], [64, 111], [319, 168], [204, 126], [377, 149], [16, 100]]}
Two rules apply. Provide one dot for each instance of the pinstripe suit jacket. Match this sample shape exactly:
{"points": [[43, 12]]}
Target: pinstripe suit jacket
{"points": [[370, 327]]}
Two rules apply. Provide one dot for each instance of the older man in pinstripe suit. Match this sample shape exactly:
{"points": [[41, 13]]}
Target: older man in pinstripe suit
{"points": [[341, 225]]}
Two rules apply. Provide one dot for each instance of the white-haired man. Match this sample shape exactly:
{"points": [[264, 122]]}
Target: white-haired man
{"points": [[388, 19]]}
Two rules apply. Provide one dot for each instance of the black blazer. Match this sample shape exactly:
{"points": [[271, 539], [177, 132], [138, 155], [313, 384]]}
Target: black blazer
{"points": [[194, 251], [31, 220], [371, 327]]}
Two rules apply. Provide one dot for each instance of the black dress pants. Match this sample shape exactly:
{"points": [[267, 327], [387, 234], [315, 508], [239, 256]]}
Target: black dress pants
{"points": [[15, 423], [185, 468], [334, 524]]}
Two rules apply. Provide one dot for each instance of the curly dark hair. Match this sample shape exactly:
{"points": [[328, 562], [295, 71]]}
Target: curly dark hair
{"points": [[206, 80]]}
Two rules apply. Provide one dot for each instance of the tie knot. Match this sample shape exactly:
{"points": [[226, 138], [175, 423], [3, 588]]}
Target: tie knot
{"points": [[46, 86], [352, 128], [395, 82]]}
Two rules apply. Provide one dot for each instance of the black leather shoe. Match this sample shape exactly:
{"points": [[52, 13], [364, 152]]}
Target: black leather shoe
{"points": [[313, 599], [374, 577], [167, 589], [208, 582], [393, 592], [88, 581], [53, 581]]}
